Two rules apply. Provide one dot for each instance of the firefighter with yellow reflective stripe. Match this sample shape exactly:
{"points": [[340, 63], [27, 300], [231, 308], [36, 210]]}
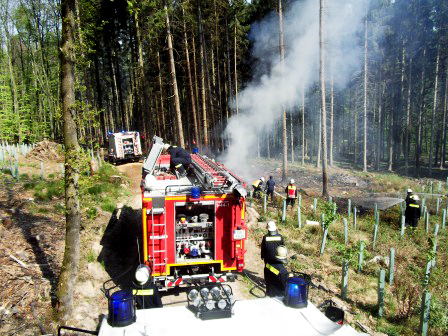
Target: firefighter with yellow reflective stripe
{"points": [[270, 243], [412, 212], [144, 290], [291, 193], [276, 274], [258, 186]]}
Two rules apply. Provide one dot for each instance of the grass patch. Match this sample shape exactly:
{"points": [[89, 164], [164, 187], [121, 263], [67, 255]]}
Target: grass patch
{"points": [[90, 257], [47, 190], [43, 210], [60, 208], [403, 298], [108, 205]]}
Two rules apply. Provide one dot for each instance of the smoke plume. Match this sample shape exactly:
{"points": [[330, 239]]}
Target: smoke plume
{"points": [[261, 102]]}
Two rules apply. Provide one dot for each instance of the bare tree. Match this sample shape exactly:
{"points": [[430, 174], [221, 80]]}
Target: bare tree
{"points": [[69, 269], [322, 94]]}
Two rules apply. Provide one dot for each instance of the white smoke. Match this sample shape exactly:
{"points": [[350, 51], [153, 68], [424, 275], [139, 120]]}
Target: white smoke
{"points": [[261, 102]]}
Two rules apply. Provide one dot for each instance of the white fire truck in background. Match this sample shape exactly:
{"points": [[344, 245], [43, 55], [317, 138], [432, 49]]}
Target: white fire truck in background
{"points": [[124, 146]]}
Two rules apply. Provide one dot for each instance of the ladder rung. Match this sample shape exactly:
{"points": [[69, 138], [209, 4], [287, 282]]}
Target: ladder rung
{"points": [[159, 264], [158, 225], [159, 251]]}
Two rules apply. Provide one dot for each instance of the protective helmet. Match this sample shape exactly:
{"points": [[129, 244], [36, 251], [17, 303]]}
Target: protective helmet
{"points": [[272, 226], [142, 274], [281, 252], [166, 146], [262, 178], [409, 191], [292, 181]]}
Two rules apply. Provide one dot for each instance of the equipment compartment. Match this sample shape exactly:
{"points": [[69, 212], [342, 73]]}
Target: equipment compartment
{"points": [[195, 232]]}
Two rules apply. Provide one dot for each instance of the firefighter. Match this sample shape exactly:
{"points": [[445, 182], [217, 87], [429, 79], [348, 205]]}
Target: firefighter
{"points": [[258, 186], [270, 187], [276, 274], [408, 196], [145, 291], [270, 243], [180, 160], [412, 212], [291, 193]]}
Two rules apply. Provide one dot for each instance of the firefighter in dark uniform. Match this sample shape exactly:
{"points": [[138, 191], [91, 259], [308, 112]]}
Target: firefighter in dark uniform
{"points": [[270, 243], [291, 193], [144, 290], [408, 196], [270, 187], [180, 160], [413, 212], [276, 274], [258, 186]]}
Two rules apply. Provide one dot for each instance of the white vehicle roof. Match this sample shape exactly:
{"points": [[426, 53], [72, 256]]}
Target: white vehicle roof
{"points": [[267, 316]]}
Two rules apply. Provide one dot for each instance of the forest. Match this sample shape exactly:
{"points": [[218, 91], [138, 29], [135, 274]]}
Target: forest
{"points": [[348, 85], [195, 70]]}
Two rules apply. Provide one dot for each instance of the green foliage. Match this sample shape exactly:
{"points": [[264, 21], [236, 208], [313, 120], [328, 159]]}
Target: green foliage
{"points": [[108, 205], [90, 257], [97, 189], [439, 314], [43, 210], [91, 213], [329, 211], [46, 190]]}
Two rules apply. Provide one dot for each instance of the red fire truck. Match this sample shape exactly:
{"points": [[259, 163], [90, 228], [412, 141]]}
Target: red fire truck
{"points": [[193, 227]]}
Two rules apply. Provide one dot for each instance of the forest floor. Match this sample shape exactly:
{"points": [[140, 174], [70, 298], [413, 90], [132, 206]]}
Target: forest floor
{"points": [[32, 241]]}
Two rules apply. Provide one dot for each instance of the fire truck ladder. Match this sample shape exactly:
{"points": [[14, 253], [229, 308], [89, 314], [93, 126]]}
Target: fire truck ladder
{"points": [[210, 174], [162, 235]]}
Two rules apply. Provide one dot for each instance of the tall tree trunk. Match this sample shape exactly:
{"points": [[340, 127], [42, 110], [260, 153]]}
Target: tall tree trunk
{"points": [[162, 105], [235, 70], [16, 116], [303, 123], [229, 72], [143, 87], [291, 129], [282, 61], [331, 115], [434, 109], [391, 141], [408, 121], [445, 106], [380, 128], [190, 81], [69, 269], [319, 141], [203, 80], [180, 132], [364, 161], [196, 90], [419, 132]]}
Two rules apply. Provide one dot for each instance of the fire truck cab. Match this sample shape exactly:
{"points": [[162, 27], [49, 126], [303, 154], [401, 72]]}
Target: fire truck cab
{"points": [[193, 227]]}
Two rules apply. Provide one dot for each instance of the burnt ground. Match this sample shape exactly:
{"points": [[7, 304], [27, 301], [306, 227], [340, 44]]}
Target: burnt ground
{"points": [[32, 244]]}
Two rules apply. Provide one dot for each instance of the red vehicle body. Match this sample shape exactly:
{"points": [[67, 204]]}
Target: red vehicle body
{"points": [[193, 227]]}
